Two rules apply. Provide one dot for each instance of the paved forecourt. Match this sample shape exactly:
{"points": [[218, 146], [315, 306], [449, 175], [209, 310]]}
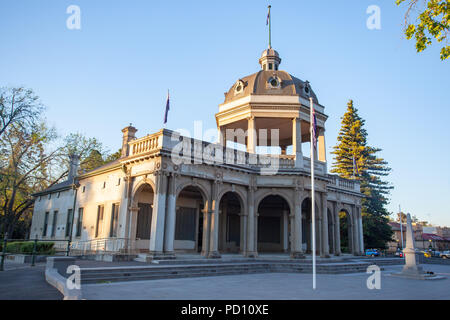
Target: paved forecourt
{"points": [[283, 286]]}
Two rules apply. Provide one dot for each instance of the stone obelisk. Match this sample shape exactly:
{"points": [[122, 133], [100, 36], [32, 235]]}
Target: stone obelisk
{"points": [[411, 269]]}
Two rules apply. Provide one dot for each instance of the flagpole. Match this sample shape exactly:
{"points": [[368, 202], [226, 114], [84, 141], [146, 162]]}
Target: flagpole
{"points": [[313, 207], [270, 27]]}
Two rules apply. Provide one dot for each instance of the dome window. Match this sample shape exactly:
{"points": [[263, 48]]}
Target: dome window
{"points": [[274, 82], [307, 89], [239, 88]]}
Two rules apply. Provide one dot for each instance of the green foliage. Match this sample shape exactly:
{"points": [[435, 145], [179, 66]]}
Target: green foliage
{"points": [[26, 247], [352, 144], [432, 22]]}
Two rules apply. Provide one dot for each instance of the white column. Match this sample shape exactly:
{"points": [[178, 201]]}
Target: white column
{"points": [[206, 229], [321, 146], [285, 231], [297, 142], [361, 233], [221, 139], [355, 232], [243, 237], [169, 236], [337, 228], [158, 214], [214, 237], [251, 245], [325, 244], [296, 226], [251, 137]]}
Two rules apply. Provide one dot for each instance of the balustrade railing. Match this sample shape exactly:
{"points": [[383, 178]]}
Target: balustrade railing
{"points": [[103, 245]]}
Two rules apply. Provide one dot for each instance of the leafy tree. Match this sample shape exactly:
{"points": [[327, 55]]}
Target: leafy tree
{"points": [[19, 106], [24, 162], [369, 169], [432, 22]]}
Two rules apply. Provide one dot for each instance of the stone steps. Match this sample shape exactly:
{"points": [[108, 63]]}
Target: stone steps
{"points": [[116, 274]]}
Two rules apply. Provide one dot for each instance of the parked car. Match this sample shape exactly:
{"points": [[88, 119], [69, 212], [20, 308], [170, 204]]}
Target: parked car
{"points": [[372, 252], [399, 253], [445, 254], [435, 253]]}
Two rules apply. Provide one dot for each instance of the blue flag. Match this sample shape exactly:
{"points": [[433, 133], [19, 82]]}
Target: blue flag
{"points": [[167, 108]]}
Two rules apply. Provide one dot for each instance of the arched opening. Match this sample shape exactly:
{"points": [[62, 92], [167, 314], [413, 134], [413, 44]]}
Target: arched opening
{"points": [[273, 224], [345, 226], [307, 227], [230, 227], [330, 232], [189, 220], [142, 221]]}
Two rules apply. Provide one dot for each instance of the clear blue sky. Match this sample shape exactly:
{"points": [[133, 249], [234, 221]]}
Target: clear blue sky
{"points": [[118, 67]]}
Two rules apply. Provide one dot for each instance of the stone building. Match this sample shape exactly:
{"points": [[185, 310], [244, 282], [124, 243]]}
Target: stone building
{"points": [[169, 193]]}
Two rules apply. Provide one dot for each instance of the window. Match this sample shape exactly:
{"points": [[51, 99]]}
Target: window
{"points": [[44, 231], [55, 219], [104, 185], [270, 66], [99, 226], [114, 220], [59, 193], [79, 222], [69, 222], [83, 189], [49, 196]]}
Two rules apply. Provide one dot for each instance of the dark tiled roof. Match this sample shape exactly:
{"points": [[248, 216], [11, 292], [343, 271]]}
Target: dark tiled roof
{"points": [[56, 187]]}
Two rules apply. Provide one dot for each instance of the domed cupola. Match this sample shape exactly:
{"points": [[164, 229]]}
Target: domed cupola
{"points": [[270, 59]]}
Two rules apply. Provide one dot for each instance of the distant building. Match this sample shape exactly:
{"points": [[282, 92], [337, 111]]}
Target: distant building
{"points": [[436, 238]]}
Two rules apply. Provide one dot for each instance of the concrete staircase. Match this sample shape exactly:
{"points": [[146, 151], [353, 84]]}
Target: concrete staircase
{"points": [[204, 268]]}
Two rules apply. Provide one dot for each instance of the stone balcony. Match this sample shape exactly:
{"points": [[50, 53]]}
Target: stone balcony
{"points": [[183, 149]]}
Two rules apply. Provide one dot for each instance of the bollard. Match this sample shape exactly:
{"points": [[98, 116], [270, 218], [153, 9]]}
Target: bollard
{"points": [[5, 242], [33, 255]]}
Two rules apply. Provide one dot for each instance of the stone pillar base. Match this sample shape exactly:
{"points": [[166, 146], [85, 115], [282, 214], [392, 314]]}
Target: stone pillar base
{"points": [[214, 255], [325, 255], [251, 254], [204, 253], [155, 255], [297, 255], [169, 255]]}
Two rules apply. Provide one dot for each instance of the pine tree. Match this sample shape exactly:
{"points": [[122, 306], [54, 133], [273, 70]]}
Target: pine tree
{"points": [[352, 149]]}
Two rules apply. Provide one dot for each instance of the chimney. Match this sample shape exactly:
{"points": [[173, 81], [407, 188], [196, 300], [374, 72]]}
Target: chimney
{"points": [[73, 166], [128, 135]]}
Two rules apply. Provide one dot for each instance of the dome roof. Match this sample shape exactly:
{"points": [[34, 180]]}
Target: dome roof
{"points": [[270, 82]]}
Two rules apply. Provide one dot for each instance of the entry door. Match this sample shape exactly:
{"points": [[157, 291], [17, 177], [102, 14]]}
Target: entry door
{"points": [[144, 221]]}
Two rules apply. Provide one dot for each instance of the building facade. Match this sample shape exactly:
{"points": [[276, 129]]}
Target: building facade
{"points": [[170, 193]]}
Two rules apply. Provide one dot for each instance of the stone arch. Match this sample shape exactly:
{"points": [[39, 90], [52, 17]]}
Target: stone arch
{"points": [[139, 186], [273, 222], [191, 203], [141, 212], [231, 223], [204, 190], [307, 225], [347, 229], [281, 193], [238, 190]]}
